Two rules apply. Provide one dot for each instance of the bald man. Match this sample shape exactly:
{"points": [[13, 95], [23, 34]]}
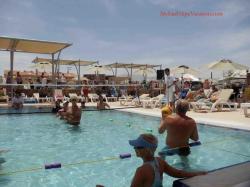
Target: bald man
{"points": [[180, 128]]}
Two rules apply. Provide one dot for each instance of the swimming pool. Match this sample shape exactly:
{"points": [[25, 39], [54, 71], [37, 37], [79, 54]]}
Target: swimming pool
{"points": [[42, 138]]}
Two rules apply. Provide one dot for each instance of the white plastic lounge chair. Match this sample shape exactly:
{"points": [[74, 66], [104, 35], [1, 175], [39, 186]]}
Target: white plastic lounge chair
{"points": [[139, 100], [223, 100], [245, 107], [41, 99], [152, 102], [124, 100], [79, 98], [93, 97], [4, 97]]}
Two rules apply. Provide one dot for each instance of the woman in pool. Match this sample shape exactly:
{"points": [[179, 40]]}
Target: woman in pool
{"points": [[17, 102], [150, 174], [62, 112], [101, 105]]}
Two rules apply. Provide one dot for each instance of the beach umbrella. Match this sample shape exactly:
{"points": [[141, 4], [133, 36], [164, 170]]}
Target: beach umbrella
{"points": [[42, 66], [189, 77], [145, 72], [226, 65], [98, 69], [181, 70]]}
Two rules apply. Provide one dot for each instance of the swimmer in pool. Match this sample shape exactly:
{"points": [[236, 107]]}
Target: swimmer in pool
{"points": [[62, 112], [152, 169], [74, 113], [101, 105], [180, 128]]}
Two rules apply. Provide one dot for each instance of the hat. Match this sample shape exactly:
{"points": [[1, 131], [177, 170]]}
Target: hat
{"points": [[167, 109], [141, 142]]}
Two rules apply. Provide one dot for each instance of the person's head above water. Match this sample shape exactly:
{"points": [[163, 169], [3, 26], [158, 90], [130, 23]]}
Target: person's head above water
{"points": [[182, 106], [146, 143], [73, 99]]}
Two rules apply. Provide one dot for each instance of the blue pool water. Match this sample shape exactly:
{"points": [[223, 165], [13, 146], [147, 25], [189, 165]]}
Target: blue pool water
{"points": [[37, 139]]}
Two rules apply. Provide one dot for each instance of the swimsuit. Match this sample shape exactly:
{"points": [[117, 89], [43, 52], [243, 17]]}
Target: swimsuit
{"points": [[157, 179]]}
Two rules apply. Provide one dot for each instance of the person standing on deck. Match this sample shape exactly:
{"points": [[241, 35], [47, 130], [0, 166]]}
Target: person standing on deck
{"points": [[169, 88]]}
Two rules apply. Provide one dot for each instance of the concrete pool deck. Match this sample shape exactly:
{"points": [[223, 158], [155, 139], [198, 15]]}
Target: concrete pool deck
{"points": [[232, 119]]}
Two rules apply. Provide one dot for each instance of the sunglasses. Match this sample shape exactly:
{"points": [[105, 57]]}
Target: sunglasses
{"points": [[139, 147]]}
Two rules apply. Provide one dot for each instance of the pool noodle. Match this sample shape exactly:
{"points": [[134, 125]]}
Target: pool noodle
{"points": [[125, 155], [167, 152], [53, 165]]}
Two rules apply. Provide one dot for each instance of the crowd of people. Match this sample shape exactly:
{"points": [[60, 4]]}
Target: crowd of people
{"points": [[179, 127]]}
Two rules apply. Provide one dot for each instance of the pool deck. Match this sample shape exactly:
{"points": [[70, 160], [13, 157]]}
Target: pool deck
{"points": [[232, 119]]}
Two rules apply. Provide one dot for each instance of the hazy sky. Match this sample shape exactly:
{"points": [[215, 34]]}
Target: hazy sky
{"points": [[131, 30]]}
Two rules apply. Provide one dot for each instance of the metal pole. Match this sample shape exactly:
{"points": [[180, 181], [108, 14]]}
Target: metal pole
{"points": [[79, 73], [53, 75], [11, 70], [131, 70]]}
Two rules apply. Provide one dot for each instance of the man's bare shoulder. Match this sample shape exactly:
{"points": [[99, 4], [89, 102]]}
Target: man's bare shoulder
{"points": [[191, 120]]}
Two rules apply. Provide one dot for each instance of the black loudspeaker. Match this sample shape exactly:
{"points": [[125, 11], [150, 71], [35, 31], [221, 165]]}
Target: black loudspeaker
{"points": [[160, 74]]}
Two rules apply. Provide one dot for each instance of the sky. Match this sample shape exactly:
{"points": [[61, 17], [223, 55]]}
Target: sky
{"points": [[131, 31]]}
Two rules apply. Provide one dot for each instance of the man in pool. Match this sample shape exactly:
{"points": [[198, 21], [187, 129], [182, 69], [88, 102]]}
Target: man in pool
{"points": [[74, 113], [180, 128], [152, 169]]}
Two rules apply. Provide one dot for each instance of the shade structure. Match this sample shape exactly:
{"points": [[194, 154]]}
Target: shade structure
{"points": [[184, 69], [129, 67], [66, 62], [226, 65], [76, 63], [31, 46]]}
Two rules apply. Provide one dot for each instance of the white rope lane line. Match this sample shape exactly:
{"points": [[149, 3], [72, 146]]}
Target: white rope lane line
{"points": [[121, 156]]}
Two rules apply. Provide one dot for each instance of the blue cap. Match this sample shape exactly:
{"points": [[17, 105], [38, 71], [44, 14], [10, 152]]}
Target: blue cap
{"points": [[141, 142]]}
